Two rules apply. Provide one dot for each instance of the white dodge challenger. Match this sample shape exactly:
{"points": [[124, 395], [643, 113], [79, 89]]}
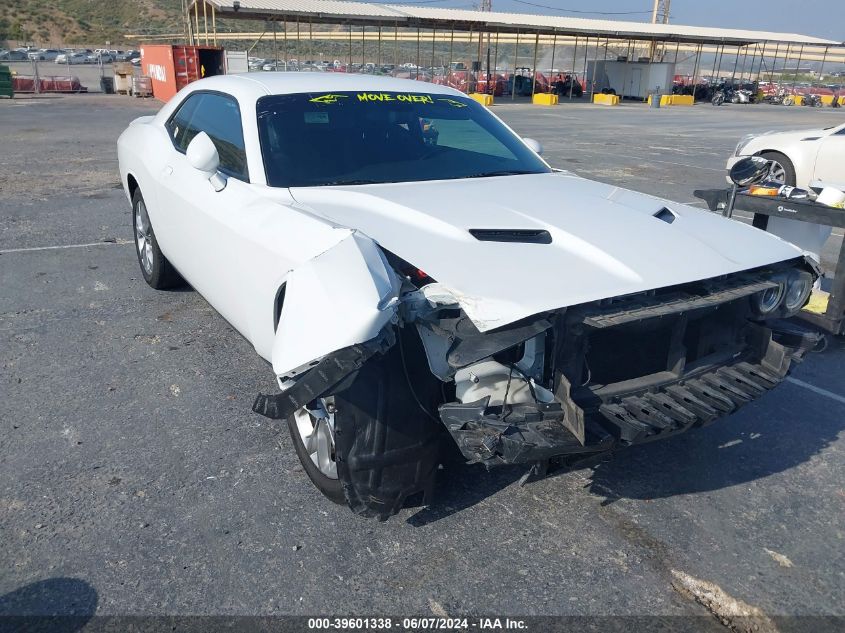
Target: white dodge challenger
{"points": [[425, 286]]}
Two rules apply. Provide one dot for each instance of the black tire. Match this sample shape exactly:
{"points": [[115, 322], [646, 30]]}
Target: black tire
{"points": [[390, 440], [387, 448], [331, 488], [783, 161], [157, 272]]}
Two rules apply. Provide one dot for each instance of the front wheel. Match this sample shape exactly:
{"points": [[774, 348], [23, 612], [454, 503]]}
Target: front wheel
{"points": [[312, 432], [378, 442], [158, 272], [782, 170]]}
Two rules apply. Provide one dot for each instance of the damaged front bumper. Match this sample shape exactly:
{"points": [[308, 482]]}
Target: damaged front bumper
{"points": [[327, 376], [702, 358]]}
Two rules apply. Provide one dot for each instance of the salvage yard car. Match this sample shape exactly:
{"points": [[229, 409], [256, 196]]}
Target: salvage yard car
{"points": [[415, 304], [798, 157]]}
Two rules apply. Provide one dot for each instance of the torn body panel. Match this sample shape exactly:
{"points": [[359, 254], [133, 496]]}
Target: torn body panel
{"points": [[342, 297]]}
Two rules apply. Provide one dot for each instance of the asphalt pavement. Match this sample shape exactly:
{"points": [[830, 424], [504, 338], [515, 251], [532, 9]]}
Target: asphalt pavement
{"points": [[134, 477]]}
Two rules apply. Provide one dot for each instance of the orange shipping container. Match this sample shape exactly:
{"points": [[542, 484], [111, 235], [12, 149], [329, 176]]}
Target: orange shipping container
{"points": [[172, 67]]}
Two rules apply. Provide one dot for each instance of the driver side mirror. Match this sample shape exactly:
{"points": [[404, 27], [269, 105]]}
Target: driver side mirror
{"points": [[533, 145], [202, 155]]}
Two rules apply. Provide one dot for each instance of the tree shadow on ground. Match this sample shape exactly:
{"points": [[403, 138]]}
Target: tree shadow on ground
{"points": [[55, 605]]}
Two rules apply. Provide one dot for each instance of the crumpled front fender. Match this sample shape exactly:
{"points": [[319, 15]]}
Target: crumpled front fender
{"points": [[342, 297]]}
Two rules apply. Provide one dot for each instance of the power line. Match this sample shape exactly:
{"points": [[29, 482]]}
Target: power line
{"points": [[400, 3], [532, 4], [545, 6]]}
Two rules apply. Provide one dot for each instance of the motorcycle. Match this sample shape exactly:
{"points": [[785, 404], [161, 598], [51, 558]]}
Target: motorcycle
{"points": [[718, 97], [741, 96], [777, 98], [727, 94], [811, 100]]}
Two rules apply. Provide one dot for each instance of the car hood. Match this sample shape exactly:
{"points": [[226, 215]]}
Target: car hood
{"points": [[605, 241], [789, 136]]}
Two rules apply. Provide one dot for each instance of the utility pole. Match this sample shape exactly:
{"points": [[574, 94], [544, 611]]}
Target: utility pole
{"points": [[486, 5], [659, 15], [660, 12]]}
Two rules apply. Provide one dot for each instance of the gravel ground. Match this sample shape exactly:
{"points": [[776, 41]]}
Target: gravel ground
{"points": [[134, 480]]}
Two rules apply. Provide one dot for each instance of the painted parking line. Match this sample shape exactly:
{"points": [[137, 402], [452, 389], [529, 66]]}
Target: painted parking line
{"points": [[818, 390], [33, 249]]}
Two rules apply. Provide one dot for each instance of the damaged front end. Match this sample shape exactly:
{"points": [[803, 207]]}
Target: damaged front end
{"points": [[555, 387], [618, 372]]}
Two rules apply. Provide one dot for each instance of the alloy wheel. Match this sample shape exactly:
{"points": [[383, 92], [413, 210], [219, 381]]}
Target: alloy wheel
{"points": [[777, 173], [316, 430], [143, 237]]}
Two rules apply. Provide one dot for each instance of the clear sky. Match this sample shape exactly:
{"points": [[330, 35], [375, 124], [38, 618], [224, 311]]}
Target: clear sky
{"points": [[822, 18]]}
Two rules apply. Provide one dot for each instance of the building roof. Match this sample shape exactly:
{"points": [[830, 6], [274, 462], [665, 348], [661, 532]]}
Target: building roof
{"points": [[362, 13]]}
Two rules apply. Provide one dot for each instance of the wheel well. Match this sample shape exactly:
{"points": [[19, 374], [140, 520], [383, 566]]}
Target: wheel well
{"points": [[772, 151], [131, 184], [277, 306]]}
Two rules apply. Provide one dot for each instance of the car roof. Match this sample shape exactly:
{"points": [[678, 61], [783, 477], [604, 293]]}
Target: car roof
{"points": [[247, 88]]}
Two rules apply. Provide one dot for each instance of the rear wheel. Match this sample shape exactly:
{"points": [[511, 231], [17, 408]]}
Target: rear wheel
{"points": [[782, 171]]}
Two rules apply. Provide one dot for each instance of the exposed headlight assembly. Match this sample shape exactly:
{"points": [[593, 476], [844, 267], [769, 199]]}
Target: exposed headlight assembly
{"points": [[786, 298], [765, 304], [799, 285]]}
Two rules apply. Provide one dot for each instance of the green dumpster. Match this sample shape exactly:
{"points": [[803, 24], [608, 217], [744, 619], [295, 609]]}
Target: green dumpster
{"points": [[6, 82]]}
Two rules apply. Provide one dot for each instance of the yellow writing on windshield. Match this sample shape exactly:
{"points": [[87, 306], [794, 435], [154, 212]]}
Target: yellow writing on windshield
{"points": [[386, 96], [329, 98], [454, 103]]}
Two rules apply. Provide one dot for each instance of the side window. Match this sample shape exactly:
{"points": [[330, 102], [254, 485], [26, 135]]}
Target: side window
{"points": [[178, 125], [220, 118]]}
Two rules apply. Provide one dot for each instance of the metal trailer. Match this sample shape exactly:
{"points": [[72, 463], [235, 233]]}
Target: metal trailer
{"points": [[172, 67], [763, 207]]}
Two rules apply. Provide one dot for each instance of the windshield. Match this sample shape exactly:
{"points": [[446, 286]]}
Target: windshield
{"points": [[375, 137]]}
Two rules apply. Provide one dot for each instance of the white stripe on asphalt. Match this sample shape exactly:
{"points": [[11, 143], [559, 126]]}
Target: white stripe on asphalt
{"points": [[818, 390], [54, 248]]}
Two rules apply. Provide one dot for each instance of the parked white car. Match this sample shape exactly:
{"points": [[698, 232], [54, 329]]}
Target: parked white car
{"points": [[72, 58], [415, 291], [800, 156], [102, 57], [44, 54]]}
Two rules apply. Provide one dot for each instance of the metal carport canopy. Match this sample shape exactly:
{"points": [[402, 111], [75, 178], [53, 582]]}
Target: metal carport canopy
{"points": [[365, 14]]}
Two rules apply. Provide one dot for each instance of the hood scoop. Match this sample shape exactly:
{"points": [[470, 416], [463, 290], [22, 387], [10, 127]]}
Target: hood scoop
{"points": [[521, 236], [666, 215]]}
